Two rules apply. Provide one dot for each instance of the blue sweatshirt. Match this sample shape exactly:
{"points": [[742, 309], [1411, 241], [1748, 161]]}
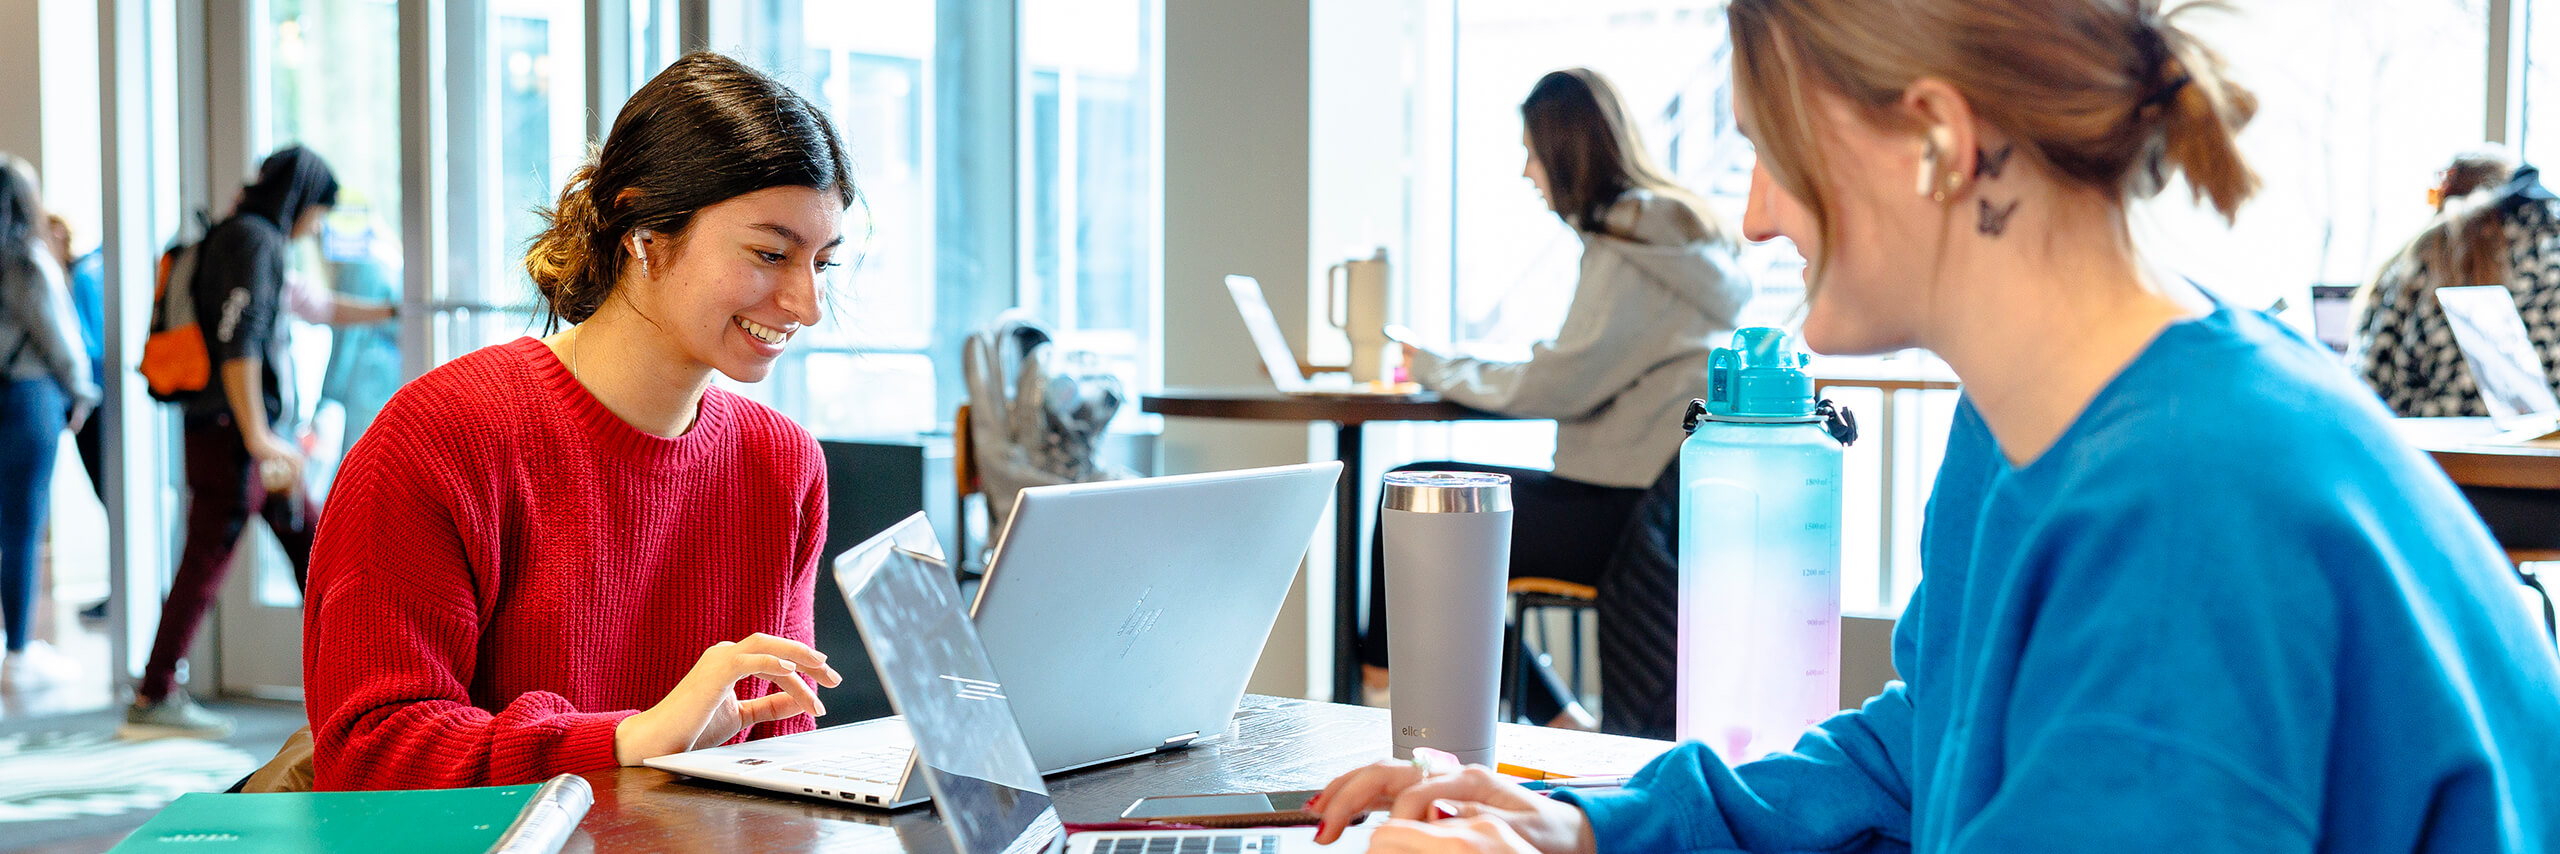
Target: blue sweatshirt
{"points": [[2227, 611]]}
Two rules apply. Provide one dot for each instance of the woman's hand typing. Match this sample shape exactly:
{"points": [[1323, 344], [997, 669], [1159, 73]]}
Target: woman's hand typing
{"points": [[704, 709], [1468, 810]]}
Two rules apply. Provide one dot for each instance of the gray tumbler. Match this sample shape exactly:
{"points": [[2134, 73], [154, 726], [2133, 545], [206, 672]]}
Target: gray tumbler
{"points": [[1447, 541]]}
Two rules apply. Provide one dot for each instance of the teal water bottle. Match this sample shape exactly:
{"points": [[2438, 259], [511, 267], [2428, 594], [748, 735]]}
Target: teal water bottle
{"points": [[1759, 631]]}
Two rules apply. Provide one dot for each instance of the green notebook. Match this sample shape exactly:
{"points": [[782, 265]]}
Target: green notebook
{"points": [[511, 819]]}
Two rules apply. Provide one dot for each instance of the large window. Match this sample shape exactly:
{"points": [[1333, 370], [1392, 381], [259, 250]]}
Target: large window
{"points": [[2540, 47], [517, 100], [971, 206], [344, 105], [2358, 106], [1091, 143]]}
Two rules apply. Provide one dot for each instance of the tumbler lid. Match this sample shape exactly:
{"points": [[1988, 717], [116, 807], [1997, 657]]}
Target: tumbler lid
{"points": [[1448, 492]]}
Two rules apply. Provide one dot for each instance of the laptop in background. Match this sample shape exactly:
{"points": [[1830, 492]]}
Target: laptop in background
{"points": [[2333, 321], [1129, 614], [2504, 364], [1282, 362], [973, 757]]}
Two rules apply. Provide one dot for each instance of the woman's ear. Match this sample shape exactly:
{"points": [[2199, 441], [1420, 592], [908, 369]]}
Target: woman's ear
{"points": [[1948, 138], [640, 238]]}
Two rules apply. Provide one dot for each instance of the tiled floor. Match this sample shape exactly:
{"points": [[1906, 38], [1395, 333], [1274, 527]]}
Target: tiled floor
{"points": [[73, 574], [73, 563], [263, 726], [92, 691]]}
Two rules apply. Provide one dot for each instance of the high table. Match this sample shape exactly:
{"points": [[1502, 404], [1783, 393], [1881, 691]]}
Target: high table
{"points": [[2464, 448], [1348, 414], [1273, 745], [2514, 487]]}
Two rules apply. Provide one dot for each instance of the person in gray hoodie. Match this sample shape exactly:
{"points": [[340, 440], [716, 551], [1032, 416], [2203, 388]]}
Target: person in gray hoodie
{"points": [[44, 387], [1659, 289]]}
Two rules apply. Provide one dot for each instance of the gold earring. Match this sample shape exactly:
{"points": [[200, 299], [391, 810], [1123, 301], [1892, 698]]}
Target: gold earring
{"points": [[1955, 181]]}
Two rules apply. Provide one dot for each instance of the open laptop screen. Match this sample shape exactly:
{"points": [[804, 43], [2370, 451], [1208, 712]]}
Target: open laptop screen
{"points": [[968, 746], [2504, 364], [1268, 340], [2333, 316]]}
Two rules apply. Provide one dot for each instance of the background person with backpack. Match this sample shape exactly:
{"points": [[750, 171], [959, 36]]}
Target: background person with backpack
{"points": [[44, 386], [238, 459]]}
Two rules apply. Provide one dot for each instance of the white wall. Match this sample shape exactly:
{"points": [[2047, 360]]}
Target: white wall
{"points": [[1236, 143], [21, 81]]}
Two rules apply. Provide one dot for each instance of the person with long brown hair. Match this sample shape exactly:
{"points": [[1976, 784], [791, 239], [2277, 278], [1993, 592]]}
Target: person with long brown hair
{"points": [[2494, 224], [1658, 291], [45, 385], [2185, 590], [564, 554]]}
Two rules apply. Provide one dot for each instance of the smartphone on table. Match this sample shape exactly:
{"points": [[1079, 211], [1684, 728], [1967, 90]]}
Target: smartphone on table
{"points": [[1240, 809]]}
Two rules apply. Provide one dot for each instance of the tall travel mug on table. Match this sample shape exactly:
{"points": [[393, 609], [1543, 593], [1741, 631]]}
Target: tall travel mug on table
{"points": [[1447, 543]]}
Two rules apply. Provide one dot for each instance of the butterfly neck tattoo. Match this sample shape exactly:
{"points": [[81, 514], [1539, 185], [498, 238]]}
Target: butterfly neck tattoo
{"points": [[1992, 220]]}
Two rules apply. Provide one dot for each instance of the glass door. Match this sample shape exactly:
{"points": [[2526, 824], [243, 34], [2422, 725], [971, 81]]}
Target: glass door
{"points": [[343, 104], [516, 101]]}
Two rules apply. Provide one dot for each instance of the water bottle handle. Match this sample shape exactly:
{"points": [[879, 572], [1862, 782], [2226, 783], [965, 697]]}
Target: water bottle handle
{"points": [[1838, 421]]}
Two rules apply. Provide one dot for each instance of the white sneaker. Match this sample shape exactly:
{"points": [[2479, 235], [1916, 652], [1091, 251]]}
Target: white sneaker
{"points": [[175, 716], [37, 667]]}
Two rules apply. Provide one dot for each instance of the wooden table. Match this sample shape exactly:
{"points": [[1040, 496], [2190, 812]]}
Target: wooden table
{"points": [[2464, 448], [1349, 414], [1274, 745], [2514, 487]]}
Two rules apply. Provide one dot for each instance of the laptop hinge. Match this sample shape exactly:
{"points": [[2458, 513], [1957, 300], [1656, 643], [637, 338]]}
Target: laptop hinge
{"points": [[1181, 740]]}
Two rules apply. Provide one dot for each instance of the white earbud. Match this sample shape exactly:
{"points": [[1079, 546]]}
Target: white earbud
{"points": [[1940, 141], [640, 249]]}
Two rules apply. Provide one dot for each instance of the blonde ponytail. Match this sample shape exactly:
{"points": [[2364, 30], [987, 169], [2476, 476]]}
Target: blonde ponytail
{"points": [[2202, 113]]}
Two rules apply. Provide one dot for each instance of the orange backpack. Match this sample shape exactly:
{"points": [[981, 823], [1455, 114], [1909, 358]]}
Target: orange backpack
{"points": [[175, 362]]}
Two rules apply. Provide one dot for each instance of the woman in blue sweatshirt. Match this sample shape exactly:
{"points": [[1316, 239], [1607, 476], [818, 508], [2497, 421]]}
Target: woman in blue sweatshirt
{"points": [[2185, 589]]}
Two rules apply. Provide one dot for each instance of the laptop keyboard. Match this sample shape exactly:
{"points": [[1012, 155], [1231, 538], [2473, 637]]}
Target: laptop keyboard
{"points": [[876, 765], [1234, 843]]}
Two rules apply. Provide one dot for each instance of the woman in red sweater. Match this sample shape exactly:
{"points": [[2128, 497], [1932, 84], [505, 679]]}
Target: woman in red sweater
{"points": [[561, 555]]}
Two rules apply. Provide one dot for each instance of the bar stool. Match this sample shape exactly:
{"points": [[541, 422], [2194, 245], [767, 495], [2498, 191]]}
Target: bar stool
{"points": [[1529, 597]]}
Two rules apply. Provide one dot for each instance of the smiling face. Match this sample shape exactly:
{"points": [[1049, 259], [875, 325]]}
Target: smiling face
{"points": [[748, 274]]}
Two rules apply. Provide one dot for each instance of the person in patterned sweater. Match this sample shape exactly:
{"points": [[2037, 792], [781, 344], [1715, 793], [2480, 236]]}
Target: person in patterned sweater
{"points": [[2494, 224]]}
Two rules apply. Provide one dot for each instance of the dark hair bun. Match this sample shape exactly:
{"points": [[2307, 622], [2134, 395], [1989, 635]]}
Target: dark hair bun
{"points": [[706, 130]]}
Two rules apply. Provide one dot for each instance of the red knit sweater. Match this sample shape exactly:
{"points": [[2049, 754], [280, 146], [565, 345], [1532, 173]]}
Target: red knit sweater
{"points": [[506, 570]]}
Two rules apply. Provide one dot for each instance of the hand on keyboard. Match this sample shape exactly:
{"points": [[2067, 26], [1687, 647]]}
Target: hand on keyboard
{"points": [[704, 709]]}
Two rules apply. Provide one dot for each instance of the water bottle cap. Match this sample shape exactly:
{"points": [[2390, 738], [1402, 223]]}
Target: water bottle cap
{"points": [[1448, 492], [1760, 376]]}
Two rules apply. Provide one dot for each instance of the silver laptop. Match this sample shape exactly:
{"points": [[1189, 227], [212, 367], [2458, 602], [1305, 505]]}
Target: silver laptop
{"points": [[973, 758], [1129, 615], [2504, 364], [1282, 361]]}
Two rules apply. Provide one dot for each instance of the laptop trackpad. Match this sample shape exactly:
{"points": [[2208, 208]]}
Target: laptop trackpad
{"points": [[815, 744]]}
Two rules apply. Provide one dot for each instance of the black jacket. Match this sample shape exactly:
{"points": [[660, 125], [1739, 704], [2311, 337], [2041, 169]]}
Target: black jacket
{"points": [[239, 283]]}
